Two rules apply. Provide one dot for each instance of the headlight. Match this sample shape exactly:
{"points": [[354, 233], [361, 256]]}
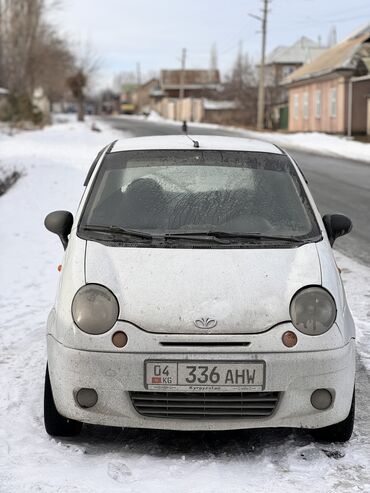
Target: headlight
{"points": [[313, 310], [95, 309]]}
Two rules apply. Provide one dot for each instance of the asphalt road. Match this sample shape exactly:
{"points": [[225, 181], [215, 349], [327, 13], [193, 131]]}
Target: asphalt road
{"points": [[338, 185]]}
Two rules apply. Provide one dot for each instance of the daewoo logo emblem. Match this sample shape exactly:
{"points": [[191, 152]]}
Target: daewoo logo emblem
{"points": [[205, 323]]}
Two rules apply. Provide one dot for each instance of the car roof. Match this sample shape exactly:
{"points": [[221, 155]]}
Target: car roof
{"points": [[183, 142]]}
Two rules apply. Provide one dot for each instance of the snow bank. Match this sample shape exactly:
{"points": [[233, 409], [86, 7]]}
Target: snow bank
{"points": [[356, 278], [320, 143], [108, 460]]}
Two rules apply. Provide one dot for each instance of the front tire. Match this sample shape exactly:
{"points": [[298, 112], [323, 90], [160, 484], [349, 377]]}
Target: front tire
{"points": [[339, 432], [55, 423]]}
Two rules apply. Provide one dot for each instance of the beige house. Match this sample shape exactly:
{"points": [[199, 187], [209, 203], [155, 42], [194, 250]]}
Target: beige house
{"points": [[332, 93]]}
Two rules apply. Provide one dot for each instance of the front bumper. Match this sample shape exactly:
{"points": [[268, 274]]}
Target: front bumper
{"points": [[113, 375]]}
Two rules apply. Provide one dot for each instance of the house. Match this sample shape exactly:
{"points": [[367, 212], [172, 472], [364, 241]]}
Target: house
{"points": [[194, 83], [281, 62], [332, 92], [147, 93]]}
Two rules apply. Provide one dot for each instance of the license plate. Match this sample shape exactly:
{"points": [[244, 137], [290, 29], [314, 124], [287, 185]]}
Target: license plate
{"points": [[204, 376]]}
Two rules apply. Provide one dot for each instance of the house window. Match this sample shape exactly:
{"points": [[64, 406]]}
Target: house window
{"points": [[305, 105], [296, 106], [287, 69], [333, 102], [318, 104]]}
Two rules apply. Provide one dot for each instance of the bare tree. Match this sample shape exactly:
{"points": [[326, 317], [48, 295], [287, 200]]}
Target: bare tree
{"points": [[241, 86], [86, 66], [77, 83], [125, 78], [52, 65], [20, 25], [32, 54]]}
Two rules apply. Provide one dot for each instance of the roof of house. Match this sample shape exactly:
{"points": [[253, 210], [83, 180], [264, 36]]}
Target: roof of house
{"points": [[343, 56], [302, 51], [150, 82], [182, 142], [192, 78]]}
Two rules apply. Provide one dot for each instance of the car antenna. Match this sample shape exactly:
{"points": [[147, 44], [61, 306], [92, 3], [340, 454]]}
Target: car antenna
{"points": [[185, 130]]}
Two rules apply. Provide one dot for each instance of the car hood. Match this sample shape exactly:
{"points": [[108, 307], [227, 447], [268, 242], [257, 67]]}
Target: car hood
{"points": [[173, 290]]}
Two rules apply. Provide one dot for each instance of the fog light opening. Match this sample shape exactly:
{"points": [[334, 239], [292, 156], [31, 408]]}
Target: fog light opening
{"points": [[86, 398], [289, 339], [119, 339], [321, 399]]}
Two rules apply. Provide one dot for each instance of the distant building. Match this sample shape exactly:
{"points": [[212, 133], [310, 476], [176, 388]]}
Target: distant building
{"points": [[281, 62], [146, 94], [332, 92], [195, 83]]}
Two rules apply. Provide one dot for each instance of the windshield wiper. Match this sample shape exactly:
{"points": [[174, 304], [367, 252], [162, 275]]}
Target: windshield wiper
{"points": [[113, 230], [226, 234], [202, 236], [255, 236]]}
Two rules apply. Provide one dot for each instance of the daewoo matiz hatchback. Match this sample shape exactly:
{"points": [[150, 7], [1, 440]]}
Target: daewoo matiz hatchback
{"points": [[199, 292]]}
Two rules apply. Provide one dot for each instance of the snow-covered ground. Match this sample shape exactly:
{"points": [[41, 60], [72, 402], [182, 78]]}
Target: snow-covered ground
{"points": [[320, 143], [111, 460]]}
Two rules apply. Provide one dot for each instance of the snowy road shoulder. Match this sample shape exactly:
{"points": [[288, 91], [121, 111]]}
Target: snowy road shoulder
{"points": [[56, 161]]}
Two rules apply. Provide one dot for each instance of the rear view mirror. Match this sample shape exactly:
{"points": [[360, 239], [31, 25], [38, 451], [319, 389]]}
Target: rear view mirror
{"points": [[59, 223], [336, 225]]}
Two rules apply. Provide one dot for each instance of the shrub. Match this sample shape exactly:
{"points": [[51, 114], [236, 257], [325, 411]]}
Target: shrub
{"points": [[8, 178], [19, 108]]}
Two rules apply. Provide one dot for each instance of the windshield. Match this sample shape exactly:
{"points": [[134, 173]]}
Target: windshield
{"points": [[169, 192]]}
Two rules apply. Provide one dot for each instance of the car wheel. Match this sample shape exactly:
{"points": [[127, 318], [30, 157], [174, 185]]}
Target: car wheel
{"points": [[339, 432], [55, 423]]}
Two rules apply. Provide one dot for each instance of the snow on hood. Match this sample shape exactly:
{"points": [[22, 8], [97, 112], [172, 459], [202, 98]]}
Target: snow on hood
{"points": [[167, 290]]}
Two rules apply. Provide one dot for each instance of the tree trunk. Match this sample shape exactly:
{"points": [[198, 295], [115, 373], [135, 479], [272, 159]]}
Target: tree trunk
{"points": [[81, 109]]}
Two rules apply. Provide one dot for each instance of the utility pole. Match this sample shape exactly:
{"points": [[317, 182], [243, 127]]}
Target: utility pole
{"points": [[182, 80], [138, 81], [261, 85], [138, 73], [182, 74]]}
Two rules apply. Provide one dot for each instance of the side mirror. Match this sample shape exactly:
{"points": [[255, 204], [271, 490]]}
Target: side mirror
{"points": [[336, 225], [60, 223]]}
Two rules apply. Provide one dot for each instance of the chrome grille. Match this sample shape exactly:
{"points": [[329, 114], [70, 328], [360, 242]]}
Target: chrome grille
{"points": [[211, 405]]}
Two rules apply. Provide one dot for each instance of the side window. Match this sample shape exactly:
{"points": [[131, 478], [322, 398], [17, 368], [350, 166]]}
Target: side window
{"points": [[295, 106], [333, 102], [305, 105], [92, 167], [287, 70], [318, 104]]}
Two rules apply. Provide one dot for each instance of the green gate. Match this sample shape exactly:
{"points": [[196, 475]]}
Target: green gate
{"points": [[283, 117]]}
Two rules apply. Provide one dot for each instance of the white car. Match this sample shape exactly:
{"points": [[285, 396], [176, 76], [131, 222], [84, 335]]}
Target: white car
{"points": [[199, 292]]}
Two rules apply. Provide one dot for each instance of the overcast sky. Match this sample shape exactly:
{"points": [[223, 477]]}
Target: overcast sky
{"points": [[153, 32]]}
